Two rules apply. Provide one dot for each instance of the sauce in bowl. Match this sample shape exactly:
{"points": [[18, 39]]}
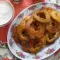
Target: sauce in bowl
{"points": [[6, 12]]}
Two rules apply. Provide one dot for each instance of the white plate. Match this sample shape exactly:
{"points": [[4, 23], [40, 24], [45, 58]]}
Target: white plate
{"points": [[16, 48]]}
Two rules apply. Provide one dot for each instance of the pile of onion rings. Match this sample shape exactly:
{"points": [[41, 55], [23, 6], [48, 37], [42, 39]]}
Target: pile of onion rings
{"points": [[38, 30]]}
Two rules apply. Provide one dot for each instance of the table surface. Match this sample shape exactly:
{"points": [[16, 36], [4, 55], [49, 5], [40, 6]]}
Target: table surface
{"points": [[18, 7]]}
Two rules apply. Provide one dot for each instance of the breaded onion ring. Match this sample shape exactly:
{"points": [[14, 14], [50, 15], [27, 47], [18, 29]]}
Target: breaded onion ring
{"points": [[42, 16], [55, 15], [30, 47], [39, 43], [35, 45], [51, 40], [52, 27], [32, 32], [21, 30], [29, 29]]}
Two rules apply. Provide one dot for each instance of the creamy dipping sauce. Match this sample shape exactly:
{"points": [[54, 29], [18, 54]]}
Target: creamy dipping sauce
{"points": [[6, 12]]}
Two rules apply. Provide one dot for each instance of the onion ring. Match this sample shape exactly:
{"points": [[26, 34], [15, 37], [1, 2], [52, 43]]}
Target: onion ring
{"points": [[55, 15], [29, 30], [29, 47], [52, 27], [21, 28], [52, 39], [35, 46], [38, 45], [32, 32], [42, 16]]}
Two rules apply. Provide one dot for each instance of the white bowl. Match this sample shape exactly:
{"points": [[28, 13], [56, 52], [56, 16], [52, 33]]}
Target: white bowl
{"points": [[6, 12]]}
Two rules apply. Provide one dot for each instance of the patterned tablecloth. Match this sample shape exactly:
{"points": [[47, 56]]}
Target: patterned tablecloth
{"points": [[5, 54]]}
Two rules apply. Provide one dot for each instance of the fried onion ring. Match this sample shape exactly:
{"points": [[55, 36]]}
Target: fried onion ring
{"points": [[55, 15], [51, 40], [29, 30], [30, 46], [21, 30], [52, 27], [32, 32], [42, 16], [35, 45]]}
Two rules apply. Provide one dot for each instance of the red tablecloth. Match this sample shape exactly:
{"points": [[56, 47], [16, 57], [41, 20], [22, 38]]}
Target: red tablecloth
{"points": [[18, 8]]}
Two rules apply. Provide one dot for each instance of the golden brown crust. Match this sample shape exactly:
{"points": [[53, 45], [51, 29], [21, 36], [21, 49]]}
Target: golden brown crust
{"points": [[56, 35], [55, 15], [31, 30], [21, 29], [42, 16], [52, 27]]}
